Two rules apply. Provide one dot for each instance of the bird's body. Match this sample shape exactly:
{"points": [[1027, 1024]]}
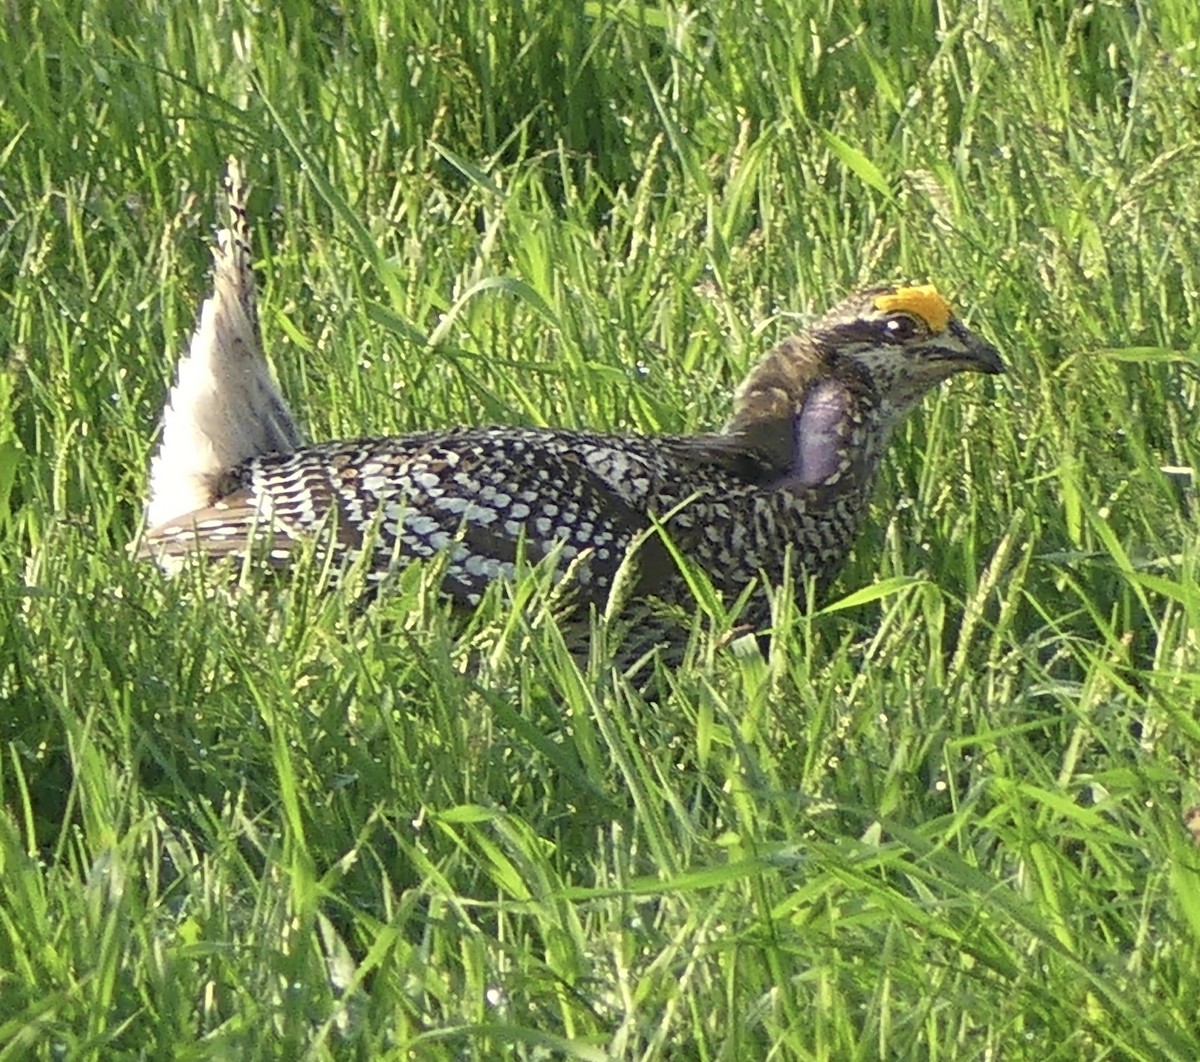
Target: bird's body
{"points": [[789, 477], [479, 493]]}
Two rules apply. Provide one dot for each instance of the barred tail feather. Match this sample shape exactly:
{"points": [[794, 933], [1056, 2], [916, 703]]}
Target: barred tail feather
{"points": [[225, 407]]}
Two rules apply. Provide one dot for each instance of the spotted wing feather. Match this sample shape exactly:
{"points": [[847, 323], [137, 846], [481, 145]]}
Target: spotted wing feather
{"points": [[480, 496]]}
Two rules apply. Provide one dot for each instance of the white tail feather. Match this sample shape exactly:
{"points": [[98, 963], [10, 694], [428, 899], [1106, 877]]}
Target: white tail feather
{"points": [[225, 407]]}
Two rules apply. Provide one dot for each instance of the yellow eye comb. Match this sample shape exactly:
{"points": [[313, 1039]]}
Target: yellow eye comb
{"points": [[923, 300]]}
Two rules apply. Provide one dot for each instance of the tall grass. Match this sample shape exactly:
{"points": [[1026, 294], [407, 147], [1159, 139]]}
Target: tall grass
{"points": [[940, 819]]}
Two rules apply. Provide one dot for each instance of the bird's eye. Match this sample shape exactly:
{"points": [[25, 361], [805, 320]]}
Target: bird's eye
{"points": [[901, 327]]}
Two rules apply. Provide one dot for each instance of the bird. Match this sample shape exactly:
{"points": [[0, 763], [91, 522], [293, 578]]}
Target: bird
{"points": [[784, 487]]}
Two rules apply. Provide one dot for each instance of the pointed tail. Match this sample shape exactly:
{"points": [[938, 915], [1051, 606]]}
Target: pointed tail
{"points": [[225, 407]]}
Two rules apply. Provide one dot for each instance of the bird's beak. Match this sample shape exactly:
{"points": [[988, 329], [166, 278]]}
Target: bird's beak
{"points": [[985, 358], [970, 353]]}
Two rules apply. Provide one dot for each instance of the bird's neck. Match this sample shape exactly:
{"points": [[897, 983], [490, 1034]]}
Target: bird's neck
{"points": [[819, 426], [776, 386]]}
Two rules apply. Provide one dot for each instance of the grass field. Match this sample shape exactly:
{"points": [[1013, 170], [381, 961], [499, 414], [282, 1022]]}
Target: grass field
{"points": [[942, 820]]}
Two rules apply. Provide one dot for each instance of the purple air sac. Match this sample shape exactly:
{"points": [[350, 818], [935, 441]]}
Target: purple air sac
{"points": [[819, 430]]}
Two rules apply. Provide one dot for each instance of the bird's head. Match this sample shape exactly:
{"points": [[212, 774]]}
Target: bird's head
{"points": [[891, 344], [906, 339]]}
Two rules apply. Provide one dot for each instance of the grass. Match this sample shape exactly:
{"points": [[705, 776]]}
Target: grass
{"points": [[940, 820]]}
